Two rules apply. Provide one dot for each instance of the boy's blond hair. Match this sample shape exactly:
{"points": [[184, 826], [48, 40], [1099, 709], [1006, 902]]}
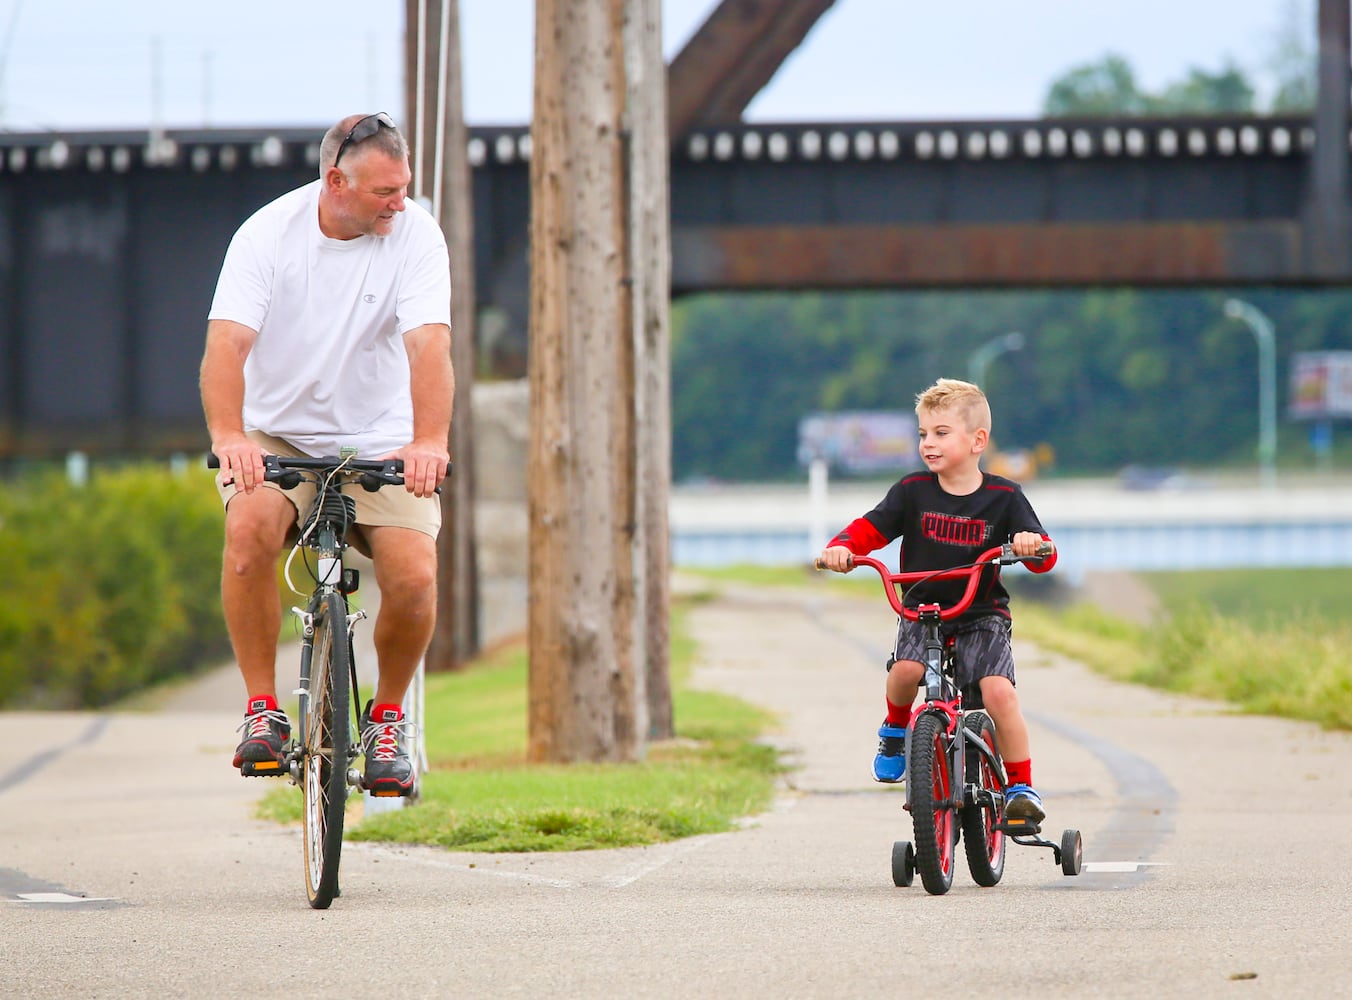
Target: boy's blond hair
{"points": [[961, 398]]}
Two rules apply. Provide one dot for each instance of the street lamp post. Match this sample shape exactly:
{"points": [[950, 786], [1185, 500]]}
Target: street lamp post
{"points": [[1261, 327], [987, 352]]}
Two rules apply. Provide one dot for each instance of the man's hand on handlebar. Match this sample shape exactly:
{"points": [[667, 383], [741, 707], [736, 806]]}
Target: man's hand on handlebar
{"points": [[241, 462], [425, 466], [837, 558], [1029, 544]]}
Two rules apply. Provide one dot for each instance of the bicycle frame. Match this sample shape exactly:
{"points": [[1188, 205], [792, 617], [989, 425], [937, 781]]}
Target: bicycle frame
{"points": [[325, 534], [329, 541], [943, 698]]}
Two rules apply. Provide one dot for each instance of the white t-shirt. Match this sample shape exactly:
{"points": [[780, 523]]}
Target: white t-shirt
{"points": [[328, 369]]}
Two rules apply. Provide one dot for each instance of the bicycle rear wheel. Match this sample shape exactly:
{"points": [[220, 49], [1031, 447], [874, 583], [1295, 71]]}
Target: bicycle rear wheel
{"points": [[325, 755], [932, 805], [984, 844]]}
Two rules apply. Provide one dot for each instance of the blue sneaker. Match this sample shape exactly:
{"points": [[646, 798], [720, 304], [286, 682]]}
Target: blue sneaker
{"points": [[890, 764], [1022, 803]]}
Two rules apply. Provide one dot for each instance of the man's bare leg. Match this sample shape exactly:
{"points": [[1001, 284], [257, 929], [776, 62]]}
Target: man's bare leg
{"points": [[255, 531], [406, 572]]}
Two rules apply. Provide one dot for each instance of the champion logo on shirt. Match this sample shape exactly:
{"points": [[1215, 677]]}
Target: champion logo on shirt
{"points": [[368, 297]]}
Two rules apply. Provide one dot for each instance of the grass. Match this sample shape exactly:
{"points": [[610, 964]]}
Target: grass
{"points": [[482, 795], [1270, 642], [1265, 596]]}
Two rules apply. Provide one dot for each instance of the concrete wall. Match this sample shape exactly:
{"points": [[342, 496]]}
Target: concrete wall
{"points": [[501, 437]]}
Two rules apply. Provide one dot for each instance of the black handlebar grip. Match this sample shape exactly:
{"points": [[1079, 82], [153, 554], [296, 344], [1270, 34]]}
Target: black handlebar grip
{"points": [[821, 565], [213, 461], [1008, 557]]}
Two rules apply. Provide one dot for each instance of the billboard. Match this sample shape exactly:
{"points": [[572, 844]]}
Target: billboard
{"points": [[859, 441], [1321, 385]]}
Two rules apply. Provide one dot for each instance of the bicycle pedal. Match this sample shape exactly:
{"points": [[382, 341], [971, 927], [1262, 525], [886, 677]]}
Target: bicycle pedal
{"points": [[262, 769], [387, 795], [1019, 828]]}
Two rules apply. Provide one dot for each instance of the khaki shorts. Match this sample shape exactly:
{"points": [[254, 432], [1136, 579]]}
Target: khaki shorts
{"points": [[392, 506]]}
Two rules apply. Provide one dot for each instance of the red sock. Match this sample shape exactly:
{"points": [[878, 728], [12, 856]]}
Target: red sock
{"points": [[898, 715], [260, 703], [387, 713], [1020, 771]]}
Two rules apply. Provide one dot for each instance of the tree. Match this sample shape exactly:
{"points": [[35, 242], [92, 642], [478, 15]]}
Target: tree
{"points": [[1293, 61], [1107, 87], [1200, 92]]}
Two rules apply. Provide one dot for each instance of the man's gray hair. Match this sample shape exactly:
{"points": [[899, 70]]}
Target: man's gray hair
{"points": [[389, 141]]}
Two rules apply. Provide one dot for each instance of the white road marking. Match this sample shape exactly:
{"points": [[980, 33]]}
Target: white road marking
{"points": [[1121, 866], [57, 897]]}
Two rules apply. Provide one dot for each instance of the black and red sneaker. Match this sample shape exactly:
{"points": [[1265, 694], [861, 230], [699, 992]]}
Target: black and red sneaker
{"points": [[266, 730], [389, 770]]}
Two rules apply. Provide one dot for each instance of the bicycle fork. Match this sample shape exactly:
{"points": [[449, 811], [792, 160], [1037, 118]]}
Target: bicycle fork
{"points": [[942, 703], [354, 777], [302, 691], [306, 617]]}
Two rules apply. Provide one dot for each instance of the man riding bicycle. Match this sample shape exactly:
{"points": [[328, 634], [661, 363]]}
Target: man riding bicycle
{"points": [[330, 329]]}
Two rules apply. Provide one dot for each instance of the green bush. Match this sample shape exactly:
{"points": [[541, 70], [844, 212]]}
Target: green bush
{"points": [[108, 587]]}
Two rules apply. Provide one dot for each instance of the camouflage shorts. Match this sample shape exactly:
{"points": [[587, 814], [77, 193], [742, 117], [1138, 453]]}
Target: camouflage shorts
{"points": [[981, 648]]}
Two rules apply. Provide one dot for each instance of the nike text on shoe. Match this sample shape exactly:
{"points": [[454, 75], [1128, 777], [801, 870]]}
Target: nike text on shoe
{"points": [[890, 763], [266, 730], [389, 771], [1022, 803]]}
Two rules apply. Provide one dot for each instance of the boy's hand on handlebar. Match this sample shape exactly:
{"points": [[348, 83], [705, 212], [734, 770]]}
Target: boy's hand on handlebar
{"points": [[1029, 544], [836, 558], [241, 462]]}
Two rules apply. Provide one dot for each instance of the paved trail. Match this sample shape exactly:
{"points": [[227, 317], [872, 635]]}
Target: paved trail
{"points": [[1215, 847]]}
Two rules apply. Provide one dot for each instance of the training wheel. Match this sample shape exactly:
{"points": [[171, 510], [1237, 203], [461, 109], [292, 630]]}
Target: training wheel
{"points": [[1072, 852], [903, 863]]}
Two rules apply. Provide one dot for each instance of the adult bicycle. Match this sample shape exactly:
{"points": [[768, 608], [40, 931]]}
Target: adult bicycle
{"points": [[322, 753], [956, 783]]}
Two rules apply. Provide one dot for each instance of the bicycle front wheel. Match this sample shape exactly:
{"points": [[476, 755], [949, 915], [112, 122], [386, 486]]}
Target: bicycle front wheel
{"points": [[932, 805], [325, 755]]}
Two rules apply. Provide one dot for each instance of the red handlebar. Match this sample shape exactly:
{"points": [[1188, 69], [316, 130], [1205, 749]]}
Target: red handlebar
{"points": [[973, 573]]}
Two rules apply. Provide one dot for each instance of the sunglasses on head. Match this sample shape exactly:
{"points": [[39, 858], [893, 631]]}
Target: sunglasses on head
{"points": [[363, 130]]}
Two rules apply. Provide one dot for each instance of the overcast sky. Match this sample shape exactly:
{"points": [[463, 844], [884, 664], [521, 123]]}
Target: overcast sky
{"points": [[70, 64]]}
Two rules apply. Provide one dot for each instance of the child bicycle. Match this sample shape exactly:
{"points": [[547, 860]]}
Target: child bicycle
{"points": [[946, 739], [321, 755]]}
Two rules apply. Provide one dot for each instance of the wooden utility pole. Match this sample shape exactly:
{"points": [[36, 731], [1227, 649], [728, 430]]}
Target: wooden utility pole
{"points": [[649, 247], [439, 143], [592, 325]]}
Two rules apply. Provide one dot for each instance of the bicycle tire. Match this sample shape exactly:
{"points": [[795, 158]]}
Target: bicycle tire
{"points": [[325, 756], [932, 811], [982, 841]]}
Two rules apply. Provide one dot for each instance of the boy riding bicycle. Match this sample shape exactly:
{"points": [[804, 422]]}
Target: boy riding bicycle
{"points": [[946, 517]]}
